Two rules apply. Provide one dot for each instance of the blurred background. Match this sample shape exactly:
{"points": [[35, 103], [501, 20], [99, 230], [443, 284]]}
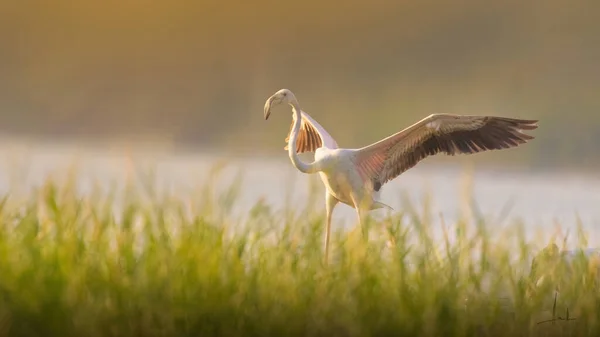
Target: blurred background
{"points": [[193, 75]]}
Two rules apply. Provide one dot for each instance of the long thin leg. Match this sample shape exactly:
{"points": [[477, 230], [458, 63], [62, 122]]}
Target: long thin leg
{"points": [[360, 212], [330, 202], [361, 222]]}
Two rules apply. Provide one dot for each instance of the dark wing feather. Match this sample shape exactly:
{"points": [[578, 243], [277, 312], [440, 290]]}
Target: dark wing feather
{"points": [[449, 134], [308, 139], [311, 135]]}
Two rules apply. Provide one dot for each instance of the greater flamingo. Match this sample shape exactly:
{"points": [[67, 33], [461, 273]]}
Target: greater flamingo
{"points": [[355, 176]]}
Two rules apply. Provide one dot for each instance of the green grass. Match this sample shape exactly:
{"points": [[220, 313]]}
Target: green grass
{"points": [[78, 265]]}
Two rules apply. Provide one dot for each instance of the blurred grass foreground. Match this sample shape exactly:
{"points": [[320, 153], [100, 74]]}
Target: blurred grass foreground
{"points": [[149, 265]]}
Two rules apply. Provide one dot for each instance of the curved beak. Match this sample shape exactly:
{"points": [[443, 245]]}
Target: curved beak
{"points": [[268, 107]]}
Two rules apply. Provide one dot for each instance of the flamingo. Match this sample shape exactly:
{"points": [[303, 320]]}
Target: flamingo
{"points": [[355, 176]]}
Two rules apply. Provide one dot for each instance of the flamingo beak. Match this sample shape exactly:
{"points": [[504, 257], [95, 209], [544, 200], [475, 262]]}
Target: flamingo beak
{"points": [[268, 107]]}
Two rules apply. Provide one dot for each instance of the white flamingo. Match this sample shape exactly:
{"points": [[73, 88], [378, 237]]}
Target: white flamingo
{"points": [[355, 176]]}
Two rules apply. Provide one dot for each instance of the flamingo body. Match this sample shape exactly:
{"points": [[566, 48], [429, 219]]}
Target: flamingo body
{"points": [[355, 176]]}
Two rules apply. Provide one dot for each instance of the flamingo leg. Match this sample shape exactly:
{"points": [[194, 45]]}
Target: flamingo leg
{"points": [[330, 203], [361, 221], [360, 213]]}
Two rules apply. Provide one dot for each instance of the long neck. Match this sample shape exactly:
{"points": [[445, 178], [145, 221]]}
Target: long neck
{"points": [[299, 164]]}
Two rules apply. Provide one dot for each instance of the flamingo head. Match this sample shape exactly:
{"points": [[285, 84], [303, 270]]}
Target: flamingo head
{"points": [[283, 96]]}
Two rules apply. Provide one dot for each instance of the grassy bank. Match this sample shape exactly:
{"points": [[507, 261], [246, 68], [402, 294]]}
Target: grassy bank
{"points": [[78, 265]]}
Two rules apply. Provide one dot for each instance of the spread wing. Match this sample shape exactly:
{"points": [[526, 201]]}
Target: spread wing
{"points": [[450, 134], [311, 135]]}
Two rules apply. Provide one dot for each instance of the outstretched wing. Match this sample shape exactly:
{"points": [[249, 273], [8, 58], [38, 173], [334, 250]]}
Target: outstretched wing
{"points": [[451, 134], [311, 135]]}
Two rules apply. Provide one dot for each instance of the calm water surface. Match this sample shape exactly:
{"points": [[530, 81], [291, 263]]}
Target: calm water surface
{"points": [[541, 200]]}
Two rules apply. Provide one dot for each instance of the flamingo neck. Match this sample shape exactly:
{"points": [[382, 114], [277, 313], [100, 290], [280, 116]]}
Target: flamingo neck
{"points": [[299, 164]]}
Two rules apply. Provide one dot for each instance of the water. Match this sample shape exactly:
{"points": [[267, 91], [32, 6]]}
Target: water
{"points": [[540, 199]]}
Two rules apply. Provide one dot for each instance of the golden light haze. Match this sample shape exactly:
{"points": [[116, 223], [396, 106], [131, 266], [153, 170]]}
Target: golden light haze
{"points": [[196, 72]]}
